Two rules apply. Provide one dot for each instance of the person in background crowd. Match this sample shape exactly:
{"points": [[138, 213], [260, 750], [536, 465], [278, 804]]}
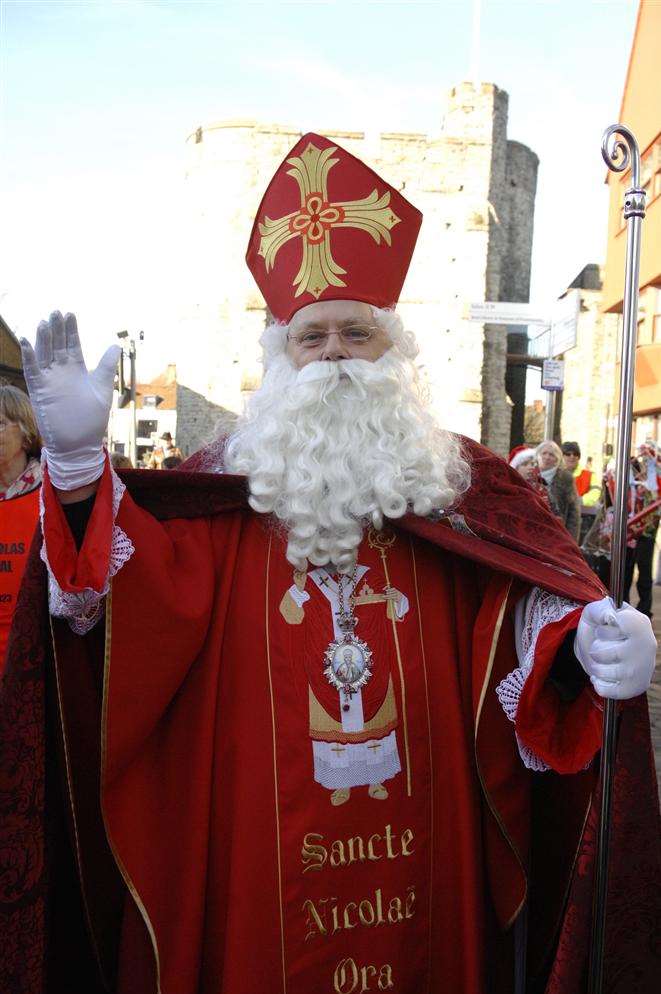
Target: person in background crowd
{"points": [[587, 488], [650, 458], [171, 462], [524, 461], [120, 461], [20, 445], [166, 449], [560, 486], [596, 545], [641, 534], [641, 553], [170, 450], [20, 477], [155, 460]]}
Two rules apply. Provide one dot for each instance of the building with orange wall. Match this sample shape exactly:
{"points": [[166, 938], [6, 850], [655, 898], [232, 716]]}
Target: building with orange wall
{"points": [[641, 111]]}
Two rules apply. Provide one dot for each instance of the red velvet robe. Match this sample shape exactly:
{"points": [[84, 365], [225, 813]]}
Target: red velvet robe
{"points": [[209, 737], [243, 876], [211, 741]]}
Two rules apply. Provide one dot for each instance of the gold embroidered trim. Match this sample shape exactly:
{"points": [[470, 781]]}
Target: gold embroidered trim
{"points": [[431, 760], [275, 765], [492, 655], [104, 723], [353, 738], [326, 729], [492, 807], [72, 805]]}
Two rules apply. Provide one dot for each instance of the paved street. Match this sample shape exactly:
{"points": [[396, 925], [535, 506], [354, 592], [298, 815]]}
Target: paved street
{"points": [[654, 695]]}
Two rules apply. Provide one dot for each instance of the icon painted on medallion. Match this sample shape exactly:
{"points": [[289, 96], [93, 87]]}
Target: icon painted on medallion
{"points": [[354, 738], [348, 664]]}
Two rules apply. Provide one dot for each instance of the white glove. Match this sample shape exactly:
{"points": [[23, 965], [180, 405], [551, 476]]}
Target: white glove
{"points": [[71, 405], [617, 649]]}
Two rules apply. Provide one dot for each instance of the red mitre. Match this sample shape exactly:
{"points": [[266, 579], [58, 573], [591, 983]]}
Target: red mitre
{"points": [[329, 228]]}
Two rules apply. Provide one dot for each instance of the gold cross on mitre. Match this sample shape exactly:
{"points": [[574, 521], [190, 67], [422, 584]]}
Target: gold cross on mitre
{"points": [[314, 220]]}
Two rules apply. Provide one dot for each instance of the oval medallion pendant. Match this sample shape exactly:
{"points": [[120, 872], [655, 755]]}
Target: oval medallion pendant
{"points": [[347, 663]]}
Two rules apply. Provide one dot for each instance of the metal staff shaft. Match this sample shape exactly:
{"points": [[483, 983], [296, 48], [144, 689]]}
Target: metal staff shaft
{"points": [[618, 155]]}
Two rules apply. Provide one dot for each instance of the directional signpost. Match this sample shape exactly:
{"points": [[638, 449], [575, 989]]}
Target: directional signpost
{"points": [[556, 322], [564, 322], [553, 374], [502, 312], [555, 327]]}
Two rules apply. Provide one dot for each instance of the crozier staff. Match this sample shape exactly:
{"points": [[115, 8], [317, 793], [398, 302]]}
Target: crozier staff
{"points": [[352, 521]]}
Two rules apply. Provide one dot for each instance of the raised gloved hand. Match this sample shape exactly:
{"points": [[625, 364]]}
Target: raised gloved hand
{"points": [[71, 405], [617, 649]]}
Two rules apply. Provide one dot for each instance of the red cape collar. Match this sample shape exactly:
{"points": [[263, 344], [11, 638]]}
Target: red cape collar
{"points": [[500, 522]]}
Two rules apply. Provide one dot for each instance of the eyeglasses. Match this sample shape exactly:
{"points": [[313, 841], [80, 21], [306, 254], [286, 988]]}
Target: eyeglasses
{"points": [[354, 334]]}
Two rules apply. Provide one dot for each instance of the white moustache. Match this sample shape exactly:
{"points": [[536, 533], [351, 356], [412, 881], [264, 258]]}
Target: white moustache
{"points": [[360, 372], [330, 372]]}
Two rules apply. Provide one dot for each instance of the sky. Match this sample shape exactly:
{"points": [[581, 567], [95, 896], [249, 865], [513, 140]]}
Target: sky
{"points": [[97, 99]]}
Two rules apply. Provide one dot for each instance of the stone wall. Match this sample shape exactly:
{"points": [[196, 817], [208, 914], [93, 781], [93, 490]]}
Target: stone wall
{"points": [[476, 190], [199, 421]]}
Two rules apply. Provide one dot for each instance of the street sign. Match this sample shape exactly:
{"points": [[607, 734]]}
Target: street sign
{"points": [[555, 326], [553, 374], [564, 322], [502, 312]]}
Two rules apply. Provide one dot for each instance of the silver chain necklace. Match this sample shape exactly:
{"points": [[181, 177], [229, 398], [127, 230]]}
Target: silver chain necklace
{"points": [[347, 659]]}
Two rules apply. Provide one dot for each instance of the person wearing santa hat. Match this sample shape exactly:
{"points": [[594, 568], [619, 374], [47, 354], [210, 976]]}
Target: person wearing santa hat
{"points": [[319, 777], [524, 460]]}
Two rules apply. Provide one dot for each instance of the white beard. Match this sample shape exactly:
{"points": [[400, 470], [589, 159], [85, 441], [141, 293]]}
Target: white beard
{"points": [[337, 446]]}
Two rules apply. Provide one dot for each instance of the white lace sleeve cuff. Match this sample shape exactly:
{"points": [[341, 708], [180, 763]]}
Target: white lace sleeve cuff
{"points": [[82, 610], [532, 613]]}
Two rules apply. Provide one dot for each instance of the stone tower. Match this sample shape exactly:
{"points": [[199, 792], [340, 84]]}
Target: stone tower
{"points": [[476, 190]]}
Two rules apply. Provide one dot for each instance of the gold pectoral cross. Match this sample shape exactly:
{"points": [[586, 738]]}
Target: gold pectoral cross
{"points": [[315, 218]]}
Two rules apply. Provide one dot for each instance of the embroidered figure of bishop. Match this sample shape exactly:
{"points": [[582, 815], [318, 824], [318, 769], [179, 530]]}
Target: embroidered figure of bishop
{"points": [[353, 751]]}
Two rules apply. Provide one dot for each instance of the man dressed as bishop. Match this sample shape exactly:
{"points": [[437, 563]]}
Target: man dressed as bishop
{"points": [[360, 755]]}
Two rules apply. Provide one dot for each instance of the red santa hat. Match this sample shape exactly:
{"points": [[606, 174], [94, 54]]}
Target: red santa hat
{"points": [[329, 228], [520, 454]]}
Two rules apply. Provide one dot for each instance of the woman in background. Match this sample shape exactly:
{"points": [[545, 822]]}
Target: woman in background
{"points": [[560, 486], [20, 478], [524, 461]]}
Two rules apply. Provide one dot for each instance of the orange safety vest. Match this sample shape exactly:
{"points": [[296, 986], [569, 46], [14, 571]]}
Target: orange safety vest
{"points": [[18, 520], [583, 481]]}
